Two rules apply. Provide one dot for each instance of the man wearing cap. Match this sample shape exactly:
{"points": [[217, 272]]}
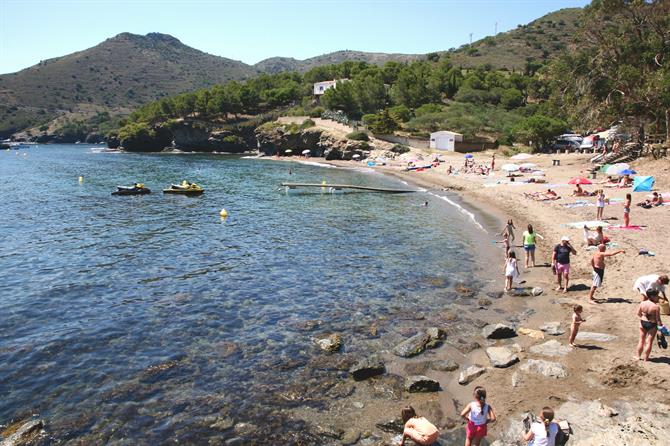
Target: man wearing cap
{"points": [[652, 281], [560, 262]]}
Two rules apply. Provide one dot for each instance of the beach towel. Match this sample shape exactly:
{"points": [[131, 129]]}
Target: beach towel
{"points": [[577, 204], [628, 228], [589, 224]]}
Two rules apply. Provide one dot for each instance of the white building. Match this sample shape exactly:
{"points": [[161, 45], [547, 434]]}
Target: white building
{"points": [[445, 140], [321, 87]]}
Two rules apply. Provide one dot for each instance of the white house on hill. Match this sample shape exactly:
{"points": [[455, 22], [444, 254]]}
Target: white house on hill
{"points": [[321, 87], [445, 140]]}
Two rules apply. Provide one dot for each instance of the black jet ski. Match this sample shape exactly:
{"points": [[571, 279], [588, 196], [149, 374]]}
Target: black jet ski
{"points": [[136, 189]]}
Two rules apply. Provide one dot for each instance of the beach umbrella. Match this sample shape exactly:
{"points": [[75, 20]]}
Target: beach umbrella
{"points": [[527, 166], [643, 184], [288, 151], [579, 180], [522, 156], [616, 169], [469, 156], [627, 172], [305, 152], [510, 167], [355, 155]]}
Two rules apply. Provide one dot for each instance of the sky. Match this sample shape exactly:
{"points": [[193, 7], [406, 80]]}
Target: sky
{"points": [[253, 30]]}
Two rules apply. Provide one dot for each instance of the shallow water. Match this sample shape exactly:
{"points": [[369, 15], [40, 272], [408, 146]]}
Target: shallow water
{"points": [[138, 320]]}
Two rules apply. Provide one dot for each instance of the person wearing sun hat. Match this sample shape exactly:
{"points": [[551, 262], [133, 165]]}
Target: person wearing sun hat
{"points": [[560, 262]]}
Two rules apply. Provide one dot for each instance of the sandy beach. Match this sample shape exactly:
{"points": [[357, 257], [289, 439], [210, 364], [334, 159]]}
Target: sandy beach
{"points": [[608, 396]]}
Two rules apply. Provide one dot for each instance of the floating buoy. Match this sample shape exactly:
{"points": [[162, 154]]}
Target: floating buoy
{"points": [[223, 213], [81, 179]]}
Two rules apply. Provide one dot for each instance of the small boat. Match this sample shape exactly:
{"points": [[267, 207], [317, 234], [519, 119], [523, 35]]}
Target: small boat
{"points": [[136, 189], [185, 188]]}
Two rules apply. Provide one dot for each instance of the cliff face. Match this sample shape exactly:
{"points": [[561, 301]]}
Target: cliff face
{"points": [[276, 140]]}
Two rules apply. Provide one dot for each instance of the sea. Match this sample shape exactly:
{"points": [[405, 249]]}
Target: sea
{"points": [[152, 320]]}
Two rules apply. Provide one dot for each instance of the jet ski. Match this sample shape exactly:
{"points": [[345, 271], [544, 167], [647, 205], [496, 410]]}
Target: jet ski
{"points": [[185, 188], [136, 189]]}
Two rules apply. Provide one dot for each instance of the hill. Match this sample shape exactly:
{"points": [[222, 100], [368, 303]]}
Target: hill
{"points": [[280, 64]]}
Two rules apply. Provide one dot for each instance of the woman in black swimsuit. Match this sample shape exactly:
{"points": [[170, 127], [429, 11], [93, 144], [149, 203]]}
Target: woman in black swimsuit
{"points": [[650, 318]]}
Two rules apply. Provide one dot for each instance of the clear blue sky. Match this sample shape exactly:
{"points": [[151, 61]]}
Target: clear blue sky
{"points": [[252, 30]]}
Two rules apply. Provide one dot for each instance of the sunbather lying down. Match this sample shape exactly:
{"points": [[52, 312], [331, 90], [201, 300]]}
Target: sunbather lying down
{"points": [[542, 196], [579, 192]]}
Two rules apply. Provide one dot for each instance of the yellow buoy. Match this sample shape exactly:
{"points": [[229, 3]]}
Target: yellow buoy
{"points": [[223, 213], [81, 179]]}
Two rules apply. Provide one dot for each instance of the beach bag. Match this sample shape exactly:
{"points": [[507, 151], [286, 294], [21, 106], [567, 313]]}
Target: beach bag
{"points": [[664, 306], [563, 434]]}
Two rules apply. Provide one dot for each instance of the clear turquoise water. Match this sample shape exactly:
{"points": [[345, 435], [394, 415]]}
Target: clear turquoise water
{"points": [[97, 290]]}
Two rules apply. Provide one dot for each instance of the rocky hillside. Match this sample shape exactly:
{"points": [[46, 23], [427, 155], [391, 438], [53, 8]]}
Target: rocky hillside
{"points": [[279, 64]]}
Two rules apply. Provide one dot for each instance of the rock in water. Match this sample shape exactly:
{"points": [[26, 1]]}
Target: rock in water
{"points": [[436, 333], [545, 368], [393, 426], [501, 357], [469, 374], [551, 348], [499, 331], [412, 346], [350, 436], [25, 435], [448, 365], [553, 329], [330, 344], [597, 337], [420, 383], [367, 368]]}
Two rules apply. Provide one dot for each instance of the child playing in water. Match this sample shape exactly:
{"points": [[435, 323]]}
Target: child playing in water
{"points": [[417, 429], [478, 414], [509, 230], [511, 270], [576, 321]]}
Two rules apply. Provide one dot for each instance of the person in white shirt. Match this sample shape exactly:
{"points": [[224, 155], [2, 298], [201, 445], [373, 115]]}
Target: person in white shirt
{"points": [[652, 281], [543, 432]]}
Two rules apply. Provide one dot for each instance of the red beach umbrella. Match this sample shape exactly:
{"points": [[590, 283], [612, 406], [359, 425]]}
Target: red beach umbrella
{"points": [[579, 180]]}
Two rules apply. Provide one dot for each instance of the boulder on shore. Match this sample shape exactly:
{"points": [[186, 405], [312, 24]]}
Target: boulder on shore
{"points": [[331, 343], [552, 328], [501, 357], [499, 331], [412, 346], [447, 365], [470, 374], [551, 348], [420, 383], [545, 368], [597, 337], [367, 368]]}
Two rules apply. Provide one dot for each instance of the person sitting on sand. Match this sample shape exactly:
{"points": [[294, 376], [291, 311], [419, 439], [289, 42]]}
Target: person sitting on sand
{"points": [[657, 199], [579, 192], [598, 265], [550, 193], [649, 314], [597, 238], [625, 181], [417, 429]]}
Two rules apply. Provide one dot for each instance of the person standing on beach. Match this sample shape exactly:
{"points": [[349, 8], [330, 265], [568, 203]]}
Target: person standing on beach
{"points": [[600, 204], [511, 270], [626, 211], [598, 265], [649, 314], [529, 242], [560, 262], [576, 322], [478, 414], [651, 282], [493, 162], [509, 230]]}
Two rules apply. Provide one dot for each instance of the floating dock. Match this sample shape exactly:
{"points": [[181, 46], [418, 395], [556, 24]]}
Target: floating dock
{"points": [[340, 187]]}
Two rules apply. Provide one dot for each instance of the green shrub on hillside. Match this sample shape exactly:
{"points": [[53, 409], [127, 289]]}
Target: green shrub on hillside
{"points": [[400, 149], [400, 113], [307, 123], [316, 112], [358, 136]]}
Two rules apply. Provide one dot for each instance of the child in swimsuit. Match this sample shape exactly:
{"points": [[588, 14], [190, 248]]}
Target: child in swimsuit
{"points": [[626, 211], [478, 414], [417, 429], [509, 230], [576, 321], [511, 270]]}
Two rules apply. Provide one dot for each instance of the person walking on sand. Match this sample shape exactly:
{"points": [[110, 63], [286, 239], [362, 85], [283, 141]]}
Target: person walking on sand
{"points": [[417, 429], [493, 162], [651, 282], [576, 322], [560, 262], [509, 230], [598, 265], [600, 204], [543, 431], [529, 242], [649, 314], [626, 211], [478, 414], [511, 270]]}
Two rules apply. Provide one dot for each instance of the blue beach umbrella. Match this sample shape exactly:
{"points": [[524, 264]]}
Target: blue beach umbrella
{"points": [[469, 156], [627, 172]]}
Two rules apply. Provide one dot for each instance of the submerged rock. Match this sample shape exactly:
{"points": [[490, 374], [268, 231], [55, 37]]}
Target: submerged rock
{"points": [[25, 435], [420, 383], [551, 348], [501, 357], [350, 436], [552, 328], [331, 343], [447, 365], [470, 374], [436, 333], [412, 346], [367, 368], [545, 368], [392, 426], [499, 331]]}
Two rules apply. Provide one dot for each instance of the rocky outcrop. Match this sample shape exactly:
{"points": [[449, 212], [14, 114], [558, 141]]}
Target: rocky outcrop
{"points": [[277, 139], [199, 137], [420, 383], [367, 368], [499, 331], [412, 346], [25, 435]]}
